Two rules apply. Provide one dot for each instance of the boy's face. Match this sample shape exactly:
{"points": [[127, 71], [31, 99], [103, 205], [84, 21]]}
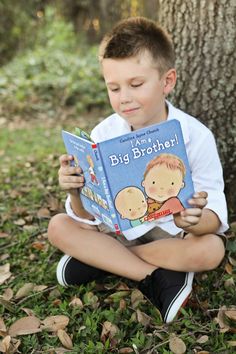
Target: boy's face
{"points": [[162, 183], [135, 89]]}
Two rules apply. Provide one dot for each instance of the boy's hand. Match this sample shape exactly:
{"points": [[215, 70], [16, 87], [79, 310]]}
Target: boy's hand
{"points": [[70, 177], [191, 216]]}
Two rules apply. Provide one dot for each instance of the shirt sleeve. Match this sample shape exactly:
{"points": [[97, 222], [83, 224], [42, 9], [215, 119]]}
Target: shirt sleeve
{"points": [[207, 175], [71, 213]]}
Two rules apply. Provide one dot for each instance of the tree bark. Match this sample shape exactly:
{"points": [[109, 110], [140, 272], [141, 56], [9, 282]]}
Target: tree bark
{"points": [[204, 35]]}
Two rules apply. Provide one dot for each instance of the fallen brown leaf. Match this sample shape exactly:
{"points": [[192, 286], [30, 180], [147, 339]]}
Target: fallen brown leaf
{"points": [[126, 350], [65, 339], [143, 318], [4, 235], [226, 318], [28, 312], [136, 298], [54, 203], [231, 315], [25, 290], [177, 345], [232, 343], [122, 304], [4, 273], [232, 261], [25, 325], [2, 325], [19, 222], [54, 323], [203, 339], [38, 245], [109, 330], [8, 294], [5, 344], [76, 302], [43, 213], [229, 268]]}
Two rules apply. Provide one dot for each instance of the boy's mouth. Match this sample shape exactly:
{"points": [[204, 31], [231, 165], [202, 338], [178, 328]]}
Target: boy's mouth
{"points": [[130, 110]]}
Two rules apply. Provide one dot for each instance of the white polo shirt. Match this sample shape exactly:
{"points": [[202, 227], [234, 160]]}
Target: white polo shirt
{"points": [[203, 159]]}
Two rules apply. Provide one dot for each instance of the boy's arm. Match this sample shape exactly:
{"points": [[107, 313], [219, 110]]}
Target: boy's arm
{"points": [[77, 206], [198, 219], [71, 179]]}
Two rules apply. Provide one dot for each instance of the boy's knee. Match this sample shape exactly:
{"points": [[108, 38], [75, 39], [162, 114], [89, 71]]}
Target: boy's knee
{"points": [[55, 227], [211, 252], [217, 251]]}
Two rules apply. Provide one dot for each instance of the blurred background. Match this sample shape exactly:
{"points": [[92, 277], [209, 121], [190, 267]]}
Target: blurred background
{"points": [[49, 68]]}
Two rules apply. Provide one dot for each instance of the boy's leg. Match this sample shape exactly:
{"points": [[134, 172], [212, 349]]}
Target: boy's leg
{"points": [[166, 289], [99, 250], [71, 271], [189, 254]]}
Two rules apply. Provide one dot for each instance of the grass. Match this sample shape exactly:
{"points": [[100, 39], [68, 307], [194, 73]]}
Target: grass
{"points": [[111, 317]]}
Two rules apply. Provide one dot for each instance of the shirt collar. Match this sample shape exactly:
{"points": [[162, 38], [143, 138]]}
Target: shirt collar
{"points": [[174, 113]]}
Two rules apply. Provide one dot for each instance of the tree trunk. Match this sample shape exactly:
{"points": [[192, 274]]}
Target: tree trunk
{"points": [[204, 35]]}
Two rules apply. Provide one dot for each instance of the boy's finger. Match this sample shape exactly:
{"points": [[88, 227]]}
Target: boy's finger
{"points": [[70, 171], [198, 202], [200, 195], [65, 159], [72, 179], [191, 212]]}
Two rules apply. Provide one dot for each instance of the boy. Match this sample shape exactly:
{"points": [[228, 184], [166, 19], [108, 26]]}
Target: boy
{"points": [[137, 61]]}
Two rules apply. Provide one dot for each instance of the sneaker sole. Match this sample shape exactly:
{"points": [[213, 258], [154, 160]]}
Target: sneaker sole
{"points": [[61, 270], [180, 299]]}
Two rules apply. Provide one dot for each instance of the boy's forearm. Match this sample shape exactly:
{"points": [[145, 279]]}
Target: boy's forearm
{"points": [[77, 206], [209, 224]]}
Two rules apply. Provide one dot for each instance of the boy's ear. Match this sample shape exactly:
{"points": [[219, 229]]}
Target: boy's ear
{"points": [[169, 81]]}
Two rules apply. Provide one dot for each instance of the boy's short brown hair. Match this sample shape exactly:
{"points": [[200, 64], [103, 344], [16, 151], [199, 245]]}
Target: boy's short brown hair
{"points": [[135, 35]]}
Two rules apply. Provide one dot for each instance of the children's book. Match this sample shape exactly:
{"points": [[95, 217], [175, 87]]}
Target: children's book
{"points": [[135, 178]]}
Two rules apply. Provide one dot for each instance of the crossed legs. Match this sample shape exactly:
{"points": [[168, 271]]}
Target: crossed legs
{"points": [[85, 243]]}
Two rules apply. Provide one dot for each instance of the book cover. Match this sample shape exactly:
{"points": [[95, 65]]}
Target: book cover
{"points": [[95, 194], [134, 178]]}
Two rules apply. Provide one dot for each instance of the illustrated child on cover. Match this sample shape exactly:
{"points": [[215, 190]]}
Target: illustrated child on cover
{"points": [[131, 204], [138, 65], [91, 170], [163, 180]]}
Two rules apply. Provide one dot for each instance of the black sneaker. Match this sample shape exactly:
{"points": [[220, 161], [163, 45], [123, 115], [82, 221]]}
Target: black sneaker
{"points": [[70, 271], [168, 290]]}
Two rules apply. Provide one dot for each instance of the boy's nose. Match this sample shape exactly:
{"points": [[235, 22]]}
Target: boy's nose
{"points": [[125, 96]]}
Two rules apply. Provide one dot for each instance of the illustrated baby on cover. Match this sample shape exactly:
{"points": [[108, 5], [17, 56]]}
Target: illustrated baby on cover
{"points": [[163, 180], [131, 204]]}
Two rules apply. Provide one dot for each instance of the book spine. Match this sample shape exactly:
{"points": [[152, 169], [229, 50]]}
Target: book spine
{"points": [[106, 188]]}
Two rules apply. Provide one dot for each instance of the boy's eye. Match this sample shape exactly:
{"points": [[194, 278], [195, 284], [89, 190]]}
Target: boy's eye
{"points": [[114, 89], [172, 183], [153, 182], [136, 85], [130, 209]]}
